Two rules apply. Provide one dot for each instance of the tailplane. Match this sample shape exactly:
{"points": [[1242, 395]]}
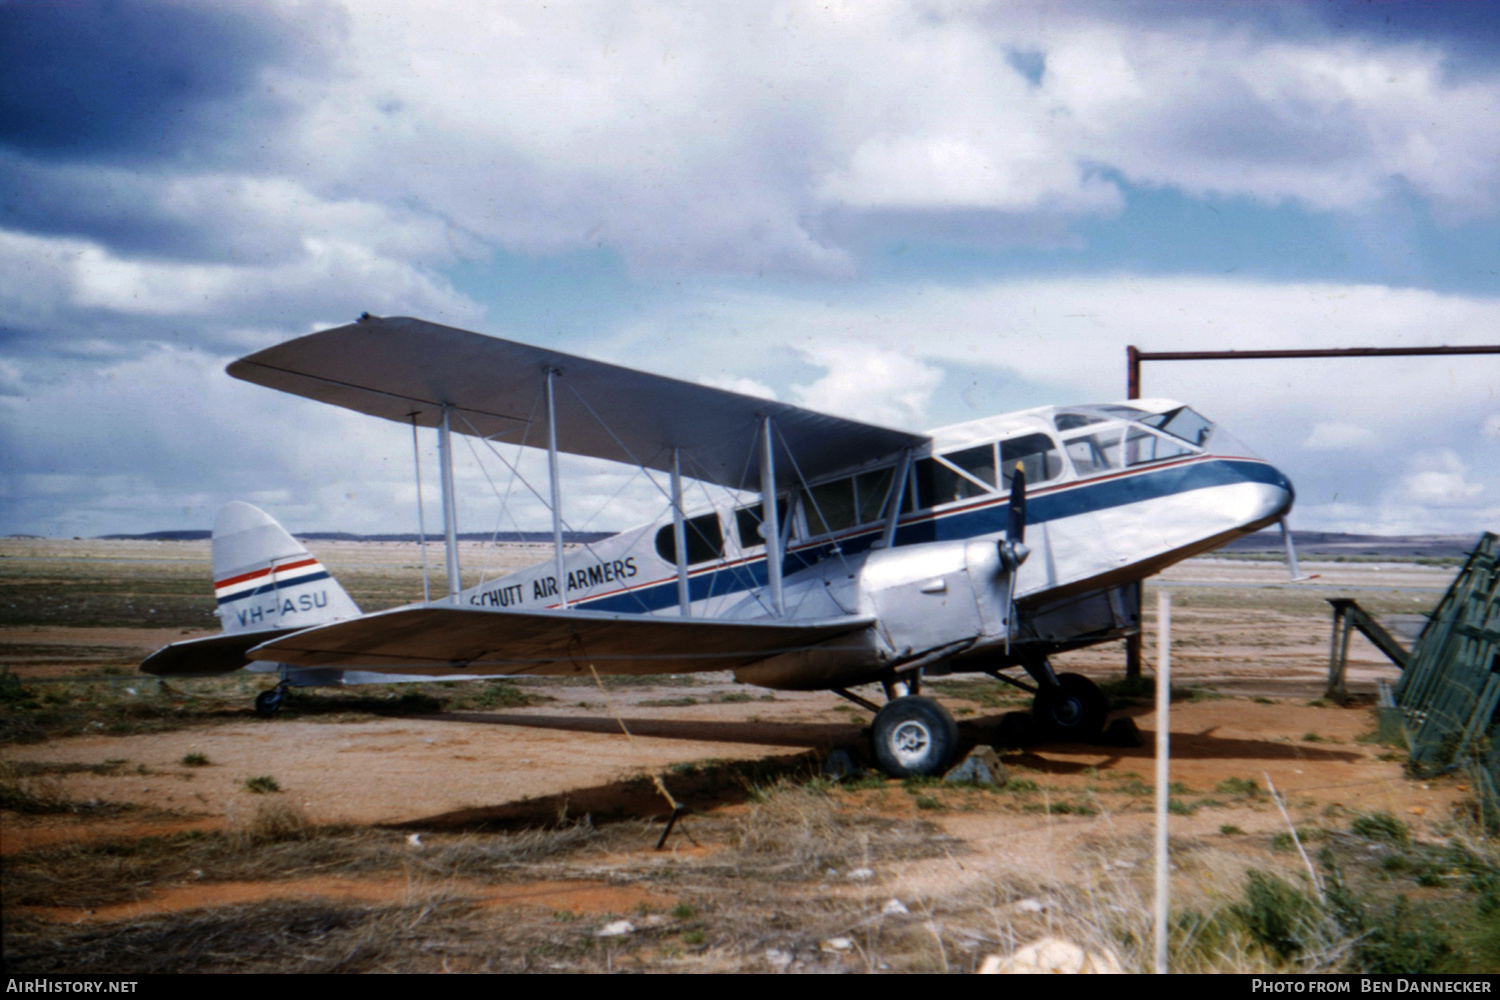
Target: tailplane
{"points": [[266, 579]]}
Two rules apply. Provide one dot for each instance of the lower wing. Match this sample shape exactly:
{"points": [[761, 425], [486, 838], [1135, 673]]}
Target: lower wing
{"points": [[448, 640], [209, 656]]}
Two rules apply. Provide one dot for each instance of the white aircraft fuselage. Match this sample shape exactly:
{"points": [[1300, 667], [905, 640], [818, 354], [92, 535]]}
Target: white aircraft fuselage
{"points": [[1115, 493]]}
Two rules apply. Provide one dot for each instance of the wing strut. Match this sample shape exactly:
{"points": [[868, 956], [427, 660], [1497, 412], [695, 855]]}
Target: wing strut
{"points": [[898, 496], [679, 536], [450, 506], [771, 525], [416, 454], [557, 550]]}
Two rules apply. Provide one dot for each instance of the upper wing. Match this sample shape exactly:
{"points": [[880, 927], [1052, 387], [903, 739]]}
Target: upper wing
{"points": [[400, 369], [448, 639]]}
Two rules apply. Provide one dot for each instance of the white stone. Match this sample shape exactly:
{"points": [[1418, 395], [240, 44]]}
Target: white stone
{"points": [[615, 928]]}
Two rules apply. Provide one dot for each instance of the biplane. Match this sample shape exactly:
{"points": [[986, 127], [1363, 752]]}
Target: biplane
{"points": [[832, 554]]}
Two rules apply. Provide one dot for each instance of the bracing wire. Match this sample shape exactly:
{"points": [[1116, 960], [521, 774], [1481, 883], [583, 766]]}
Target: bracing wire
{"points": [[517, 474]]}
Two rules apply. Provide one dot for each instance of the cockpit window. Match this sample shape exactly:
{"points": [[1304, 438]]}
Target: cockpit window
{"points": [[1073, 421], [1120, 410], [1037, 453], [1184, 423], [1142, 446]]}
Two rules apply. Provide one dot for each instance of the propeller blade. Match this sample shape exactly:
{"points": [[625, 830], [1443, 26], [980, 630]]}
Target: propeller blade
{"points": [[1010, 609], [1013, 550]]}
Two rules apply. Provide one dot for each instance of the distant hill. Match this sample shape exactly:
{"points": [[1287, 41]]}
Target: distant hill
{"points": [[195, 535], [1331, 543]]}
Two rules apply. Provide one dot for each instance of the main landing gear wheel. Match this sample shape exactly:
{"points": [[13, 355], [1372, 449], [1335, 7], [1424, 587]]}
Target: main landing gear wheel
{"points": [[914, 736], [268, 703], [1072, 711]]}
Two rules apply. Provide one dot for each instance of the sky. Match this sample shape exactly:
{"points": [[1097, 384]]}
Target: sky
{"points": [[912, 213]]}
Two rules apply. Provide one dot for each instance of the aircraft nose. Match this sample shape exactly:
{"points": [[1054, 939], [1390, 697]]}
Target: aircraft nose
{"points": [[1280, 493]]}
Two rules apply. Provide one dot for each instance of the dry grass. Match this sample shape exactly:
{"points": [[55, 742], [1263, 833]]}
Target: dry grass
{"points": [[776, 887]]}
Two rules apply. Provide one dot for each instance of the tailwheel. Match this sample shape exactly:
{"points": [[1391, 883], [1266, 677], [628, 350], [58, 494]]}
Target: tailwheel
{"points": [[1073, 710], [268, 703], [914, 736]]}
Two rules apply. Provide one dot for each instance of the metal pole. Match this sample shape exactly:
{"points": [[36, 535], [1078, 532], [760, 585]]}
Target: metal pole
{"points": [[1133, 651], [771, 525], [679, 537], [1291, 551], [450, 506], [1163, 770], [557, 549]]}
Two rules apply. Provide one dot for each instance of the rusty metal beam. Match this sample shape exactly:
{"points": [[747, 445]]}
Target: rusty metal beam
{"points": [[1134, 356]]}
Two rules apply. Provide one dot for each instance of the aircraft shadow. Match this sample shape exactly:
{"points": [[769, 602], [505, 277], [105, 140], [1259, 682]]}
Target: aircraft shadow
{"points": [[813, 735], [699, 789], [1203, 745]]}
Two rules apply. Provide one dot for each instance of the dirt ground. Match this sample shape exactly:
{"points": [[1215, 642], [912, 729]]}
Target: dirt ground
{"points": [[1252, 648]]}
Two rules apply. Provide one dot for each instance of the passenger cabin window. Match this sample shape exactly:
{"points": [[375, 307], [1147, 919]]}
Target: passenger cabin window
{"points": [[830, 507], [747, 521], [1093, 453], [943, 480], [705, 540], [1037, 454], [872, 489], [845, 503]]}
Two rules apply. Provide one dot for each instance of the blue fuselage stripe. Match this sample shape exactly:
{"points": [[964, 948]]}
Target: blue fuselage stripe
{"points": [[987, 517], [273, 587]]}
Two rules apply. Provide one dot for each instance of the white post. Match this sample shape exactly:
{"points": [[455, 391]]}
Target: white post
{"points": [[1291, 551], [1163, 771], [679, 538], [450, 507], [770, 527], [557, 549]]}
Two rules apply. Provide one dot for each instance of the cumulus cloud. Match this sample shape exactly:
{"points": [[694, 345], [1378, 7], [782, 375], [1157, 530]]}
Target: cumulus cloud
{"points": [[1438, 478], [1340, 437], [181, 181], [746, 386], [880, 385]]}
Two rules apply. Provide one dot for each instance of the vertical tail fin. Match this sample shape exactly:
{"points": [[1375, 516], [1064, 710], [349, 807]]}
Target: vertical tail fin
{"points": [[264, 578]]}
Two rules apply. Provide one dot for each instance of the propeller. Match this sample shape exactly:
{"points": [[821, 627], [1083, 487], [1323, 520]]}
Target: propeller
{"points": [[1013, 550]]}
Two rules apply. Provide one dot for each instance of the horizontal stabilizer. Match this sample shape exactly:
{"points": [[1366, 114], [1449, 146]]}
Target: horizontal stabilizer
{"points": [[209, 656], [407, 369], [445, 639]]}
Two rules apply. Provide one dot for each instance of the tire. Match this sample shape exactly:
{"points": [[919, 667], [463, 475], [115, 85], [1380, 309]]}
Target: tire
{"points": [[914, 736], [268, 703], [1073, 712]]}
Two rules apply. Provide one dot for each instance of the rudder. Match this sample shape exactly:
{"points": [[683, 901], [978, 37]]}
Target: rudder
{"points": [[264, 578]]}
